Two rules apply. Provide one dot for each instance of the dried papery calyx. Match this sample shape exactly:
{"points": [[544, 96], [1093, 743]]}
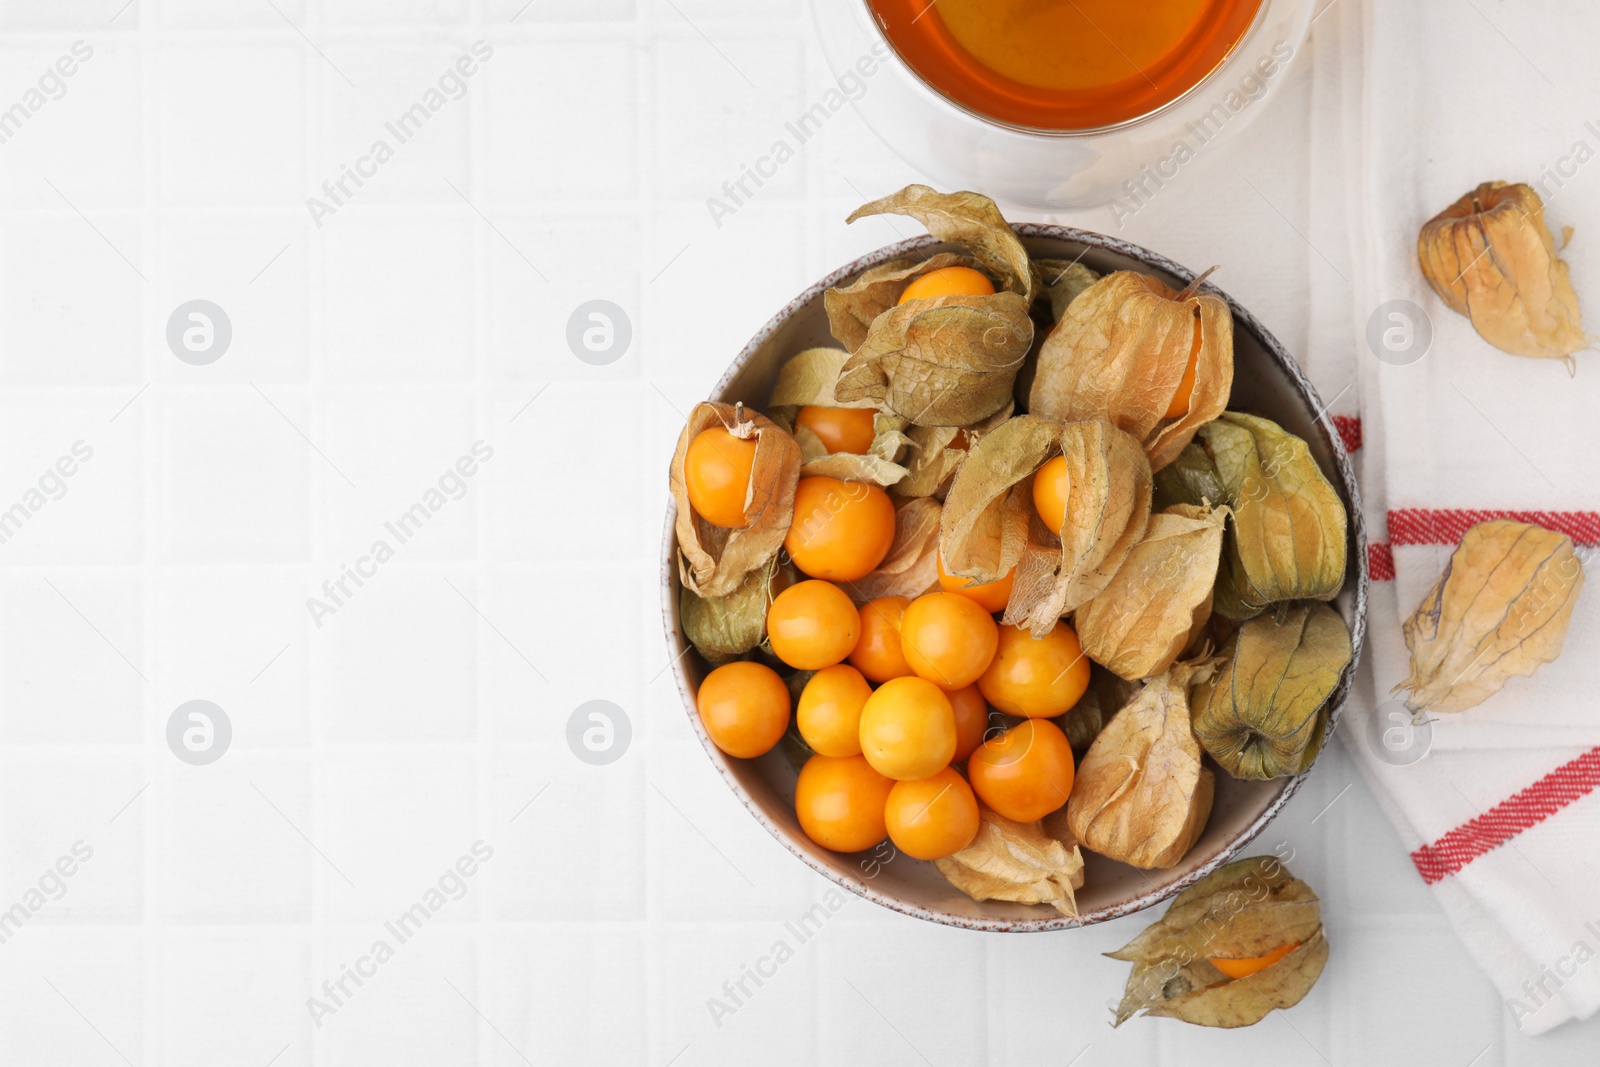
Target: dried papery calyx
{"points": [[1288, 527], [947, 360], [1141, 794], [1190, 479], [1155, 362], [1491, 257], [1028, 863], [1500, 609], [984, 528], [970, 220], [852, 308], [1059, 282], [713, 561], [808, 379], [1107, 513], [724, 628], [912, 566], [1160, 597], [1107, 694], [935, 453], [879, 465], [1263, 714], [990, 524], [1243, 940]]}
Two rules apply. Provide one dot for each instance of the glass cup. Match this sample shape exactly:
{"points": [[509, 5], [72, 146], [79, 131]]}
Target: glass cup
{"points": [[1122, 164]]}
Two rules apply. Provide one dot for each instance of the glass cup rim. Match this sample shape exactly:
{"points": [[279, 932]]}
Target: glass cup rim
{"points": [[1038, 131]]}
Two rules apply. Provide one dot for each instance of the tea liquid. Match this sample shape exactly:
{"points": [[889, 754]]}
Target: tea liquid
{"points": [[1064, 64]]}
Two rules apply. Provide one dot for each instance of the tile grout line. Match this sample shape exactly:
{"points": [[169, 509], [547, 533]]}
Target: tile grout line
{"points": [[316, 555], [151, 415], [643, 43], [485, 975]]}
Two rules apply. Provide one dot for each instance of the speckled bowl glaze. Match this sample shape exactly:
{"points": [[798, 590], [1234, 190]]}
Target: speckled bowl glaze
{"points": [[1266, 380]]}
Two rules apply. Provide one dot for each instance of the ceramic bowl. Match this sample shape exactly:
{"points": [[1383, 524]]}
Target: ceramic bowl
{"points": [[1266, 380]]}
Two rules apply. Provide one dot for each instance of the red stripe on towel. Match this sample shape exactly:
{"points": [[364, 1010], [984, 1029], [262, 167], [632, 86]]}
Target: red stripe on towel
{"points": [[1430, 526], [1349, 427], [1380, 562], [1508, 818]]}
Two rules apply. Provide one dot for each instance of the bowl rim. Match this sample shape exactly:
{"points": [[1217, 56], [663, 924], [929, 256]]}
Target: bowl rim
{"points": [[1355, 535]]}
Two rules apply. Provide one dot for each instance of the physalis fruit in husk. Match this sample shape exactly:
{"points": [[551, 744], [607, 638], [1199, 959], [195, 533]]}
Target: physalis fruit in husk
{"points": [[946, 360], [724, 628], [1141, 794], [1288, 528], [714, 561], [968, 219], [1251, 919], [1154, 362], [1262, 714], [852, 308], [1107, 694], [1501, 608], [805, 383], [1160, 598], [1060, 282], [949, 361], [912, 566], [990, 525], [1490, 257], [936, 451], [1028, 863]]}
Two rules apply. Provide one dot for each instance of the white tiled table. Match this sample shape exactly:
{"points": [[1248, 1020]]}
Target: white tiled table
{"points": [[371, 752]]}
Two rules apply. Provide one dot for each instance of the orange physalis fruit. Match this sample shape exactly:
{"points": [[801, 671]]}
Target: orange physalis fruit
{"points": [[839, 429], [841, 530], [948, 281], [1051, 486], [1180, 399], [716, 473], [1245, 968]]}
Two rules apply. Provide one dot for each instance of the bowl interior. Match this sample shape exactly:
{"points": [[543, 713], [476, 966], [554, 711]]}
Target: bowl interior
{"points": [[1267, 381]]}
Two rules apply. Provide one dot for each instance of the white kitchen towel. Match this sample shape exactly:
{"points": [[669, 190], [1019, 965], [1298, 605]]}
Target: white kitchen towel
{"points": [[1414, 105]]}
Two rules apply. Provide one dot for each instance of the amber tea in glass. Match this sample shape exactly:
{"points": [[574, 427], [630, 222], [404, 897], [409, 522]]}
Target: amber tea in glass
{"points": [[1064, 64]]}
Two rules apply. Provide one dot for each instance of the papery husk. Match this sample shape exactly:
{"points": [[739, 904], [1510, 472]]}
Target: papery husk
{"points": [[1243, 910], [1500, 609], [724, 628], [985, 524], [1289, 524], [1107, 694], [1120, 353], [932, 457], [1262, 715], [945, 361], [713, 561], [1491, 257], [1190, 479], [1060, 282], [1141, 794], [808, 377], [990, 525], [879, 465], [1108, 511], [968, 219], [1028, 863], [852, 308], [912, 566], [1159, 598]]}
